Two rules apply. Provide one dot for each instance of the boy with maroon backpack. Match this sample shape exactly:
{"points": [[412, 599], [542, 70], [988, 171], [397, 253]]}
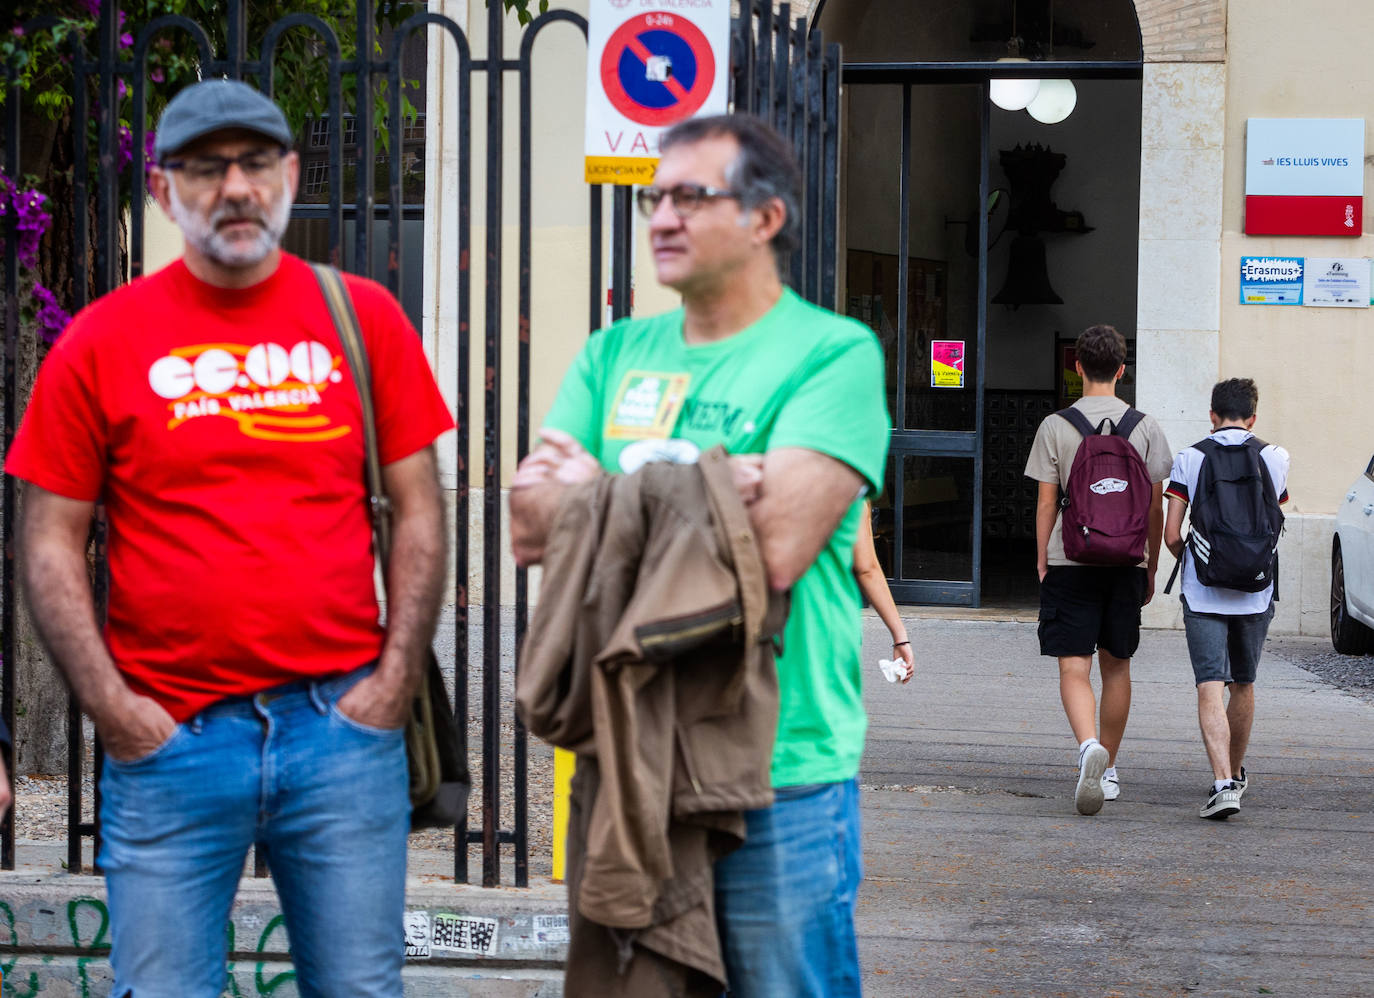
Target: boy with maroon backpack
{"points": [[1099, 518]]}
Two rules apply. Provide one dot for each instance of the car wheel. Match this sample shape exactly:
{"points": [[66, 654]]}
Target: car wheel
{"points": [[1348, 635]]}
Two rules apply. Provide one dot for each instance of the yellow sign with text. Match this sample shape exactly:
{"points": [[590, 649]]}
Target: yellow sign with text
{"points": [[620, 170]]}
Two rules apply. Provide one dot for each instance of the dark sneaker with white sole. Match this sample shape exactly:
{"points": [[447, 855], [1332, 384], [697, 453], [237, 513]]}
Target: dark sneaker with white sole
{"points": [[1092, 763], [1242, 781], [1221, 804]]}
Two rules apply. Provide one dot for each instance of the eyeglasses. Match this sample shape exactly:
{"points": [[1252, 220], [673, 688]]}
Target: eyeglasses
{"points": [[687, 199], [207, 171]]}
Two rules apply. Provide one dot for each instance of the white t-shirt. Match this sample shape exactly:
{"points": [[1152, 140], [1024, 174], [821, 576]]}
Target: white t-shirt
{"points": [[1182, 483]]}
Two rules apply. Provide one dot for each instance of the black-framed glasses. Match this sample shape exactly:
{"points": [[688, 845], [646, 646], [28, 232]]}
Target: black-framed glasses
{"points": [[687, 199], [205, 171]]}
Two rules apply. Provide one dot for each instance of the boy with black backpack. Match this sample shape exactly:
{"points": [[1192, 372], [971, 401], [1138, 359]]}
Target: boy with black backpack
{"points": [[1099, 517], [1235, 484]]}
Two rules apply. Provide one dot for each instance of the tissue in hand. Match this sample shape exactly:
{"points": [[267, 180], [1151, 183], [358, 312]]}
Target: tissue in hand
{"points": [[892, 670]]}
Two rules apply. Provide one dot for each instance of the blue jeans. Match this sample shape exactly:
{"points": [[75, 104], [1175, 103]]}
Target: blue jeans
{"points": [[328, 801], [785, 899]]}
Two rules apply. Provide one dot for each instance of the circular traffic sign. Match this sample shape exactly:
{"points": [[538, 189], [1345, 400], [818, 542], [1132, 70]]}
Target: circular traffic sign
{"points": [[657, 69]]}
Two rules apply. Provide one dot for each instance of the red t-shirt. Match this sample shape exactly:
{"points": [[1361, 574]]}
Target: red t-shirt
{"points": [[222, 430]]}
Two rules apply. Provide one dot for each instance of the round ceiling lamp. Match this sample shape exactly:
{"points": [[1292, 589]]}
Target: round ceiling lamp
{"points": [[1013, 94], [1054, 101]]}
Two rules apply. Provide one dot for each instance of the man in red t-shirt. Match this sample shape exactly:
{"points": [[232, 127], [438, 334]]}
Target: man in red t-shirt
{"points": [[243, 687]]}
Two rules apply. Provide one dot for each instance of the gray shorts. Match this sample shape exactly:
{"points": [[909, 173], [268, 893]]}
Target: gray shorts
{"points": [[1225, 648]]}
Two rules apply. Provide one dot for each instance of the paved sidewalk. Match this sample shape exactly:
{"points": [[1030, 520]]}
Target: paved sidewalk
{"points": [[983, 880]]}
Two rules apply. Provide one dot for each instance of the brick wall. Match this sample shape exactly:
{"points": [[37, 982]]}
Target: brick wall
{"points": [[1173, 30], [1183, 30]]}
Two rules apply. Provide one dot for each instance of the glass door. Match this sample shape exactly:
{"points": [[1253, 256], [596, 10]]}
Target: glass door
{"points": [[916, 273]]}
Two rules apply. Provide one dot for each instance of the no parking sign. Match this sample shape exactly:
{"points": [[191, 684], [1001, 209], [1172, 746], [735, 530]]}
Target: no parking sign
{"points": [[650, 64]]}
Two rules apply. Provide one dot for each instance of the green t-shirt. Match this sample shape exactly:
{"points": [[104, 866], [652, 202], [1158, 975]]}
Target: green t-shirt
{"points": [[799, 377]]}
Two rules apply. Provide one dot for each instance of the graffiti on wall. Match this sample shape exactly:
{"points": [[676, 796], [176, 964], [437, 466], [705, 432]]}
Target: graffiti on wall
{"points": [[88, 928]]}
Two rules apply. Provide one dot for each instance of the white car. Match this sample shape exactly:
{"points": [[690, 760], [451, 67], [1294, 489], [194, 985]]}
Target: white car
{"points": [[1352, 569]]}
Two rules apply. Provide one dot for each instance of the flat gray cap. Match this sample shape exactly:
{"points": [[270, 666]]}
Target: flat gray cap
{"points": [[213, 105]]}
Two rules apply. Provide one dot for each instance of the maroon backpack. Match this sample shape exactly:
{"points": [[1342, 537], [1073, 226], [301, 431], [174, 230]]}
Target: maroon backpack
{"points": [[1106, 505]]}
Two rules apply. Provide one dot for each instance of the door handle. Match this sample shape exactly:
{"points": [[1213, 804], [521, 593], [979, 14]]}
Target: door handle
{"points": [[1350, 496]]}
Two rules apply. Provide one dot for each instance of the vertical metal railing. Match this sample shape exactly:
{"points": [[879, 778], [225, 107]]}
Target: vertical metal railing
{"points": [[8, 665], [789, 77], [778, 72]]}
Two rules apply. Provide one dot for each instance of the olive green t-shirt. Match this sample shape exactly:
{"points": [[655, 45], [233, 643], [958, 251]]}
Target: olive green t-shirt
{"points": [[799, 377]]}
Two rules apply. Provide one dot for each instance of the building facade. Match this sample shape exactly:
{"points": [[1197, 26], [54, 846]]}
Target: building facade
{"points": [[1017, 234]]}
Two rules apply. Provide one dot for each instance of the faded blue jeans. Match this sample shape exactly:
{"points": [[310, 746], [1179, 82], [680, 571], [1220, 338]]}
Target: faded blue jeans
{"points": [[785, 899], [326, 797]]}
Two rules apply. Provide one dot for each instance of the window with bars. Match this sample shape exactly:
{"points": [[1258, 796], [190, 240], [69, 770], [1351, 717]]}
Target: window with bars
{"points": [[316, 177]]}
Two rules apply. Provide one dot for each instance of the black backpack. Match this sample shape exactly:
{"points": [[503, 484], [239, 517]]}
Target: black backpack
{"points": [[1236, 519]]}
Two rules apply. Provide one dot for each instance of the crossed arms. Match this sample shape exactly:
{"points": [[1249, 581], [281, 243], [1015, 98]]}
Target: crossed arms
{"points": [[796, 498]]}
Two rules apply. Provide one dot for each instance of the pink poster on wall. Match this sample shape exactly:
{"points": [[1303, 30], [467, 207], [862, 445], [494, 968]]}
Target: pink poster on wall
{"points": [[947, 364]]}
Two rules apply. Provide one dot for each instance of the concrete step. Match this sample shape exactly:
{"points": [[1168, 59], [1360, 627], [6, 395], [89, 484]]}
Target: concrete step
{"points": [[461, 940]]}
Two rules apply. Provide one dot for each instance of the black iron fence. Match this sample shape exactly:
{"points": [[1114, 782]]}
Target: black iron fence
{"points": [[779, 71]]}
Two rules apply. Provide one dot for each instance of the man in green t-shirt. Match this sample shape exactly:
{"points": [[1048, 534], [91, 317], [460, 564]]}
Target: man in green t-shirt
{"points": [[795, 393]]}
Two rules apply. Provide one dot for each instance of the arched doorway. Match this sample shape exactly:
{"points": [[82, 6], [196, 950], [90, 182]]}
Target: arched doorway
{"points": [[976, 240]]}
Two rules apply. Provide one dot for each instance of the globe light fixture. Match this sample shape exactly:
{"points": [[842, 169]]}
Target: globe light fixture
{"points": [[1054, 101], [1013, 94]]}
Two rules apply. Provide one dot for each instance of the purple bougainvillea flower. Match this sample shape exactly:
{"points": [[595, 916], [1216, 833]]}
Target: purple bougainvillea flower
{"points": [[126, 146], [156, 76], [18, 31], [52, 318], [92, 7], [31, 221]]}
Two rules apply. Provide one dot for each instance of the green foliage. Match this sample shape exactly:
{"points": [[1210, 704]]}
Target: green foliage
{"points": [[41, 59], [522, 9]]}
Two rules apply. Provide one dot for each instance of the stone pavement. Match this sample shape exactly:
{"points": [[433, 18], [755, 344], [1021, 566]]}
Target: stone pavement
{"points": [[983, 880]]}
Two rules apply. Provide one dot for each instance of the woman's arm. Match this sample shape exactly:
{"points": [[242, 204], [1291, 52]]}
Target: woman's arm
{"points": [[873, 584]]}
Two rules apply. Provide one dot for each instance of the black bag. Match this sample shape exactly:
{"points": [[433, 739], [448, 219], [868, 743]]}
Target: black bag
{"points": [[436, 742], [1236, 519]]}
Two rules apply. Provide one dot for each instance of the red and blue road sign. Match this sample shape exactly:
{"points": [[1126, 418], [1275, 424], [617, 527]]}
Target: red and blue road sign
{"points": [[657, 69]]}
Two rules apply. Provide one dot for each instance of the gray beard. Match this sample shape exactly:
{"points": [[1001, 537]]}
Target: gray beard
{"points": [[202, 232]]}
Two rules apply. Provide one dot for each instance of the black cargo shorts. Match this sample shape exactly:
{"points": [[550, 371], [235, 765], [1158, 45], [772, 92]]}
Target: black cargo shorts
{"points": [[1086, 607]]}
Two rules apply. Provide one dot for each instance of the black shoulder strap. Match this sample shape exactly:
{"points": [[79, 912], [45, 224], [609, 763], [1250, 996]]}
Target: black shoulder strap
{"points": [[1129, 421], [341, 310], [1270, 490], [1078, 420], [1206, 446]]}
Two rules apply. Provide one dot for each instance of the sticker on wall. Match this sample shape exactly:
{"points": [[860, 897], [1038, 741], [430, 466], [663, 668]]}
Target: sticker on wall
{"points": [[947, 364], [552, 930], [464, 934], [417, 935], [1271, 280], [1336, 282]]}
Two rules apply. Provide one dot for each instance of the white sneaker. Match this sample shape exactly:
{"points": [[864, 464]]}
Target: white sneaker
{"points": [[1111, 787], [1092, 763]]}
